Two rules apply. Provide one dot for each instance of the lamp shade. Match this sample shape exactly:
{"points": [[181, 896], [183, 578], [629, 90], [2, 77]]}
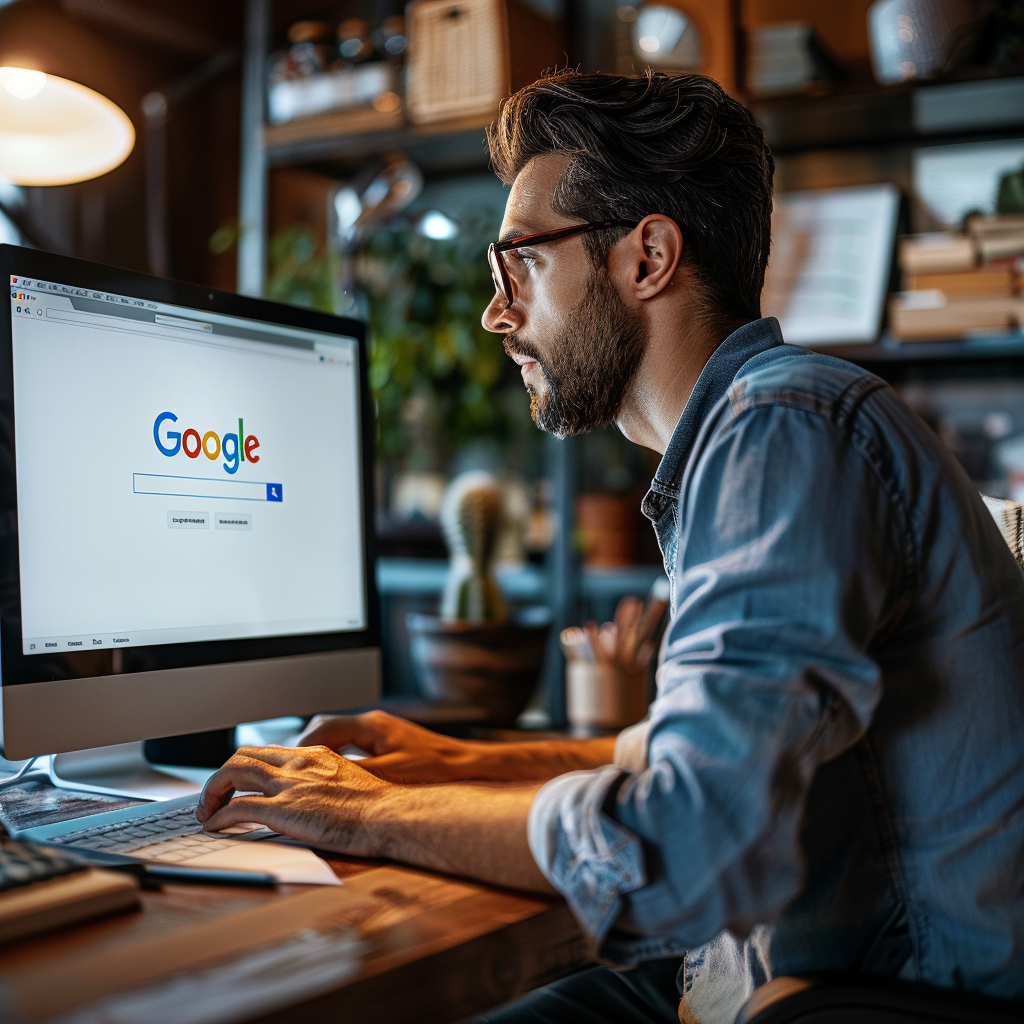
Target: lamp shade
{"points": [[56, 132]]}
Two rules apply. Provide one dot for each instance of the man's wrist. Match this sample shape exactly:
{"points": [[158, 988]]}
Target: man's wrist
{"points": [[381, 822]]}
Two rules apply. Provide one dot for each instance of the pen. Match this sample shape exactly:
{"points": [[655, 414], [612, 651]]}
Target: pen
{"points": [[212, 876]]}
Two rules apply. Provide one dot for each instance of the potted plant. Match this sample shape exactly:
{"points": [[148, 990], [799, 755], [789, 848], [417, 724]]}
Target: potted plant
{"points": [[474, 653]]}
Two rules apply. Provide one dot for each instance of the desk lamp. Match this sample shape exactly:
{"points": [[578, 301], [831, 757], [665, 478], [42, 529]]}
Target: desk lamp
{"points": [[56, 132]]}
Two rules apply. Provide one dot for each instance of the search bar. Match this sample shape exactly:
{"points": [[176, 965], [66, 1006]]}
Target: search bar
{"points": [[201, 487], [157, 327], [186, 325]]}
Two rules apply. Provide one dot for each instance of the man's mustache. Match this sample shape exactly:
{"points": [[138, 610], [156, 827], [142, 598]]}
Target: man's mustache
{"points": [[516, 346]]}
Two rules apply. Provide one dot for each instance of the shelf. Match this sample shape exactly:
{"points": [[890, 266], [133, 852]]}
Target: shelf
{"points": [[425, 578], [990, 347], [895, 114], [349, 136]]}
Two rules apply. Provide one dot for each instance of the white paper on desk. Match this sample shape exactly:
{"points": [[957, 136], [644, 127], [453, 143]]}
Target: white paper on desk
{"points": [[285, 863]]}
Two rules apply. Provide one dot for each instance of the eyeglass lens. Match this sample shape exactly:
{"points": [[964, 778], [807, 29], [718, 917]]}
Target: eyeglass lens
{"points": [[498, 273]]}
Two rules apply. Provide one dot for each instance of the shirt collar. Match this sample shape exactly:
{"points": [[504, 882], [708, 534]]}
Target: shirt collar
{"points": [[715, 379]]}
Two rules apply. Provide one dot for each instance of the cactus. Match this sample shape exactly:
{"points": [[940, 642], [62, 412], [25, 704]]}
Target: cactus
{"points": [[471, 515]]}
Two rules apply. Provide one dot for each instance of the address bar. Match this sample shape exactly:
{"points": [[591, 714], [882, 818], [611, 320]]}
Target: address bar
{"points": [[120, 323]]}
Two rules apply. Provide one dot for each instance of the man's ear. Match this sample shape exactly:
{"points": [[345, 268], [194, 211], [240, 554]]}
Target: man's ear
{"points": [[653, 255]]}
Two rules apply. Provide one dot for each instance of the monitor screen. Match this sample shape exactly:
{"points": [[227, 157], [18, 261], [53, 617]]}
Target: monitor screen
{"points": [[190, 482], [182, 475]]}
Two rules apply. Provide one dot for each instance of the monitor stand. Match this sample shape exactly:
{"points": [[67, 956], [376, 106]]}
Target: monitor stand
{"points": [[118, 770]]}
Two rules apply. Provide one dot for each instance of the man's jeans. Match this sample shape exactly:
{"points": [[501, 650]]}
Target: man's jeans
{"points": [[646, 994]]}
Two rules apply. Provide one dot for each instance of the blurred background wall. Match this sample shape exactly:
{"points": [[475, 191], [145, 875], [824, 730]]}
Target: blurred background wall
{"points": [[331, 154]]}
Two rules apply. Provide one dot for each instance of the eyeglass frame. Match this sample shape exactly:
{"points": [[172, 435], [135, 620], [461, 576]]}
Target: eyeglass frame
{"points": [[502, 280]]}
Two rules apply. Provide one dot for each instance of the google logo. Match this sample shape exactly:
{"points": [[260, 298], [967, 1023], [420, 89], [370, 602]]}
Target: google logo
{"points": [[210, 444]]}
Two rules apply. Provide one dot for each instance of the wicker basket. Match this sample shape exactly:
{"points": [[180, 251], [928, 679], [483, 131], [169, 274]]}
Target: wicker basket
{"points": [[458, 59]]}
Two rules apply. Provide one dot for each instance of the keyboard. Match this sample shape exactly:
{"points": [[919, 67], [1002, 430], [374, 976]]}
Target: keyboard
{"points": [[170, 836], [22, 863], [42, 889]]}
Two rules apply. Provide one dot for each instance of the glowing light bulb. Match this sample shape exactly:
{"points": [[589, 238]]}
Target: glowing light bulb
{"points": [[56, 132], [649, 44], [22, 83]]}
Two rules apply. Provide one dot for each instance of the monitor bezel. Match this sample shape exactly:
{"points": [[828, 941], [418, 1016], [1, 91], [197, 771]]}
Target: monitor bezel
{"points": [[20, 669]]}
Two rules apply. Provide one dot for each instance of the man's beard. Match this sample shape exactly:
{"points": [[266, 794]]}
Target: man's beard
{"points": [[591, 365]]}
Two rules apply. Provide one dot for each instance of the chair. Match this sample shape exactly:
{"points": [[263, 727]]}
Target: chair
{"points": [[862, 1000]]}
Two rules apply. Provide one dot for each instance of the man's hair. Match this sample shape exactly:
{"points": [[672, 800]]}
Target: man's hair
{"points": [[674, 145]]}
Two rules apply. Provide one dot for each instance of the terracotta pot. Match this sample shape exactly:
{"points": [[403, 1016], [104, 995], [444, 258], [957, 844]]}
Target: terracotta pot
{"points": [[609, 528], [493, 666]]}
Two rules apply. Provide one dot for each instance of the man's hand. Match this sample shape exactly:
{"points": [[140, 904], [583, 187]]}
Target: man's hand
{"points": [[311, 794], [400, 751], [405, 753], [319, 797]]}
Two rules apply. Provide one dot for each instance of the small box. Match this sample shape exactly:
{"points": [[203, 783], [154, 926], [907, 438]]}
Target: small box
{"points": [[465, 56]]}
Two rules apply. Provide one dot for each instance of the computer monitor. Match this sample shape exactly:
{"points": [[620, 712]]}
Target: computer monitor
{"points": [[185, 503]]}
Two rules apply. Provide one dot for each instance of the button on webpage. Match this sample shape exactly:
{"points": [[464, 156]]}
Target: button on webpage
{"points": [[188, 520], [275, 492], [233, 520]]}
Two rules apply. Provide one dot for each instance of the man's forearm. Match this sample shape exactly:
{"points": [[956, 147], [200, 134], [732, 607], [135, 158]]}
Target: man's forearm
{"points": [[477, 830], [539, 760]]}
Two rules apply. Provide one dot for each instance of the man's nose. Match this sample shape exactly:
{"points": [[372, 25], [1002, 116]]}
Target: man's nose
{"points": [[499, 320]]}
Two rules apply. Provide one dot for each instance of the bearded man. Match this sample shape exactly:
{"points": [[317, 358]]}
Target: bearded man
{"points": [[831, 777]]}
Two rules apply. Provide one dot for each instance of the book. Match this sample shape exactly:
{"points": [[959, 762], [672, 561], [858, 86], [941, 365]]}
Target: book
{"points": [[997, 237], [937, 252], [987, 280], [931, 316]]}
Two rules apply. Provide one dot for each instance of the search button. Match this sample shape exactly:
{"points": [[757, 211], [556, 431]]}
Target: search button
{"points": [[275, 492]]}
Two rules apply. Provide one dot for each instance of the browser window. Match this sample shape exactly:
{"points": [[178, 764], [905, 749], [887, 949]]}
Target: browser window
{"points": [[182, 475]]}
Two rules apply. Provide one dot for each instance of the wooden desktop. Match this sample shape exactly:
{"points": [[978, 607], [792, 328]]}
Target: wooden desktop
{"points": [[391, 944]]}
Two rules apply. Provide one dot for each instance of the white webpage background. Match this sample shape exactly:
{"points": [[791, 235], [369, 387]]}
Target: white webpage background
{"points": [[98, 558]]}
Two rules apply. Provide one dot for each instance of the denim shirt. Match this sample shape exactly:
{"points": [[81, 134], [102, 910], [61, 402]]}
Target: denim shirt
{"points": [[835, 755]]}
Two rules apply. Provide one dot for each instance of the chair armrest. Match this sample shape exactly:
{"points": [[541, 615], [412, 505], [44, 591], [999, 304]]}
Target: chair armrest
{"points": [[852, 999]]}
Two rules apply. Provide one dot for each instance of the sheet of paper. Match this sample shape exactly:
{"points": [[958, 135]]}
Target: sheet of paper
{"points": [[285, 862], [831, 257]]}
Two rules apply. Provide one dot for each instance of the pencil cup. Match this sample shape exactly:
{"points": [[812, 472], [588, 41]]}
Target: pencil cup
{"points": [[602, 696]]}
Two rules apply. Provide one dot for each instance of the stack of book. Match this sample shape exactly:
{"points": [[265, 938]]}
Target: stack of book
{"points": [[959, 284]]}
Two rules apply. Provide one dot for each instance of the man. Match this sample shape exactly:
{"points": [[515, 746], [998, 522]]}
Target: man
{"points": [[832, 774]]}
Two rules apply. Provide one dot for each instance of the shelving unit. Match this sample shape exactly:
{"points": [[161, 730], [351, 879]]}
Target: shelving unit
{"points": [[345, 139], [894, 121], [900, 118], [981, 350], [925, 113]]}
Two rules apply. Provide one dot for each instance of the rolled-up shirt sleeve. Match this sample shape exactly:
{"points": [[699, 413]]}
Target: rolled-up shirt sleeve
{"points": [[586, 855], [789, 562]]}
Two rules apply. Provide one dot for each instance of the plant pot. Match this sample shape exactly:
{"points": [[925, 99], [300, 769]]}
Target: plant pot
{"points": [[494, 666], [609, 527]]}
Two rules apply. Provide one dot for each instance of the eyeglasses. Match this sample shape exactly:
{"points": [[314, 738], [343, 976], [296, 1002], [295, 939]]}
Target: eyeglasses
{"points": [[502, 281]]}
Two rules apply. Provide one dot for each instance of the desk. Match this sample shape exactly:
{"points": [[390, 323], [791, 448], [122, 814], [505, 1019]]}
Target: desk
{"points": [[392, 944]]}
